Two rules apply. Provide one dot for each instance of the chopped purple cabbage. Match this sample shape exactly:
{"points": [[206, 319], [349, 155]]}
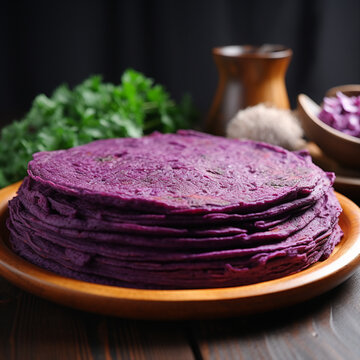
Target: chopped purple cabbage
{"points": [[342, 113]]}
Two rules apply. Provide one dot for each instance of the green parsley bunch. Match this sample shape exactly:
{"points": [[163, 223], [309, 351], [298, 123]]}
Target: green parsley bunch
{"points": [[92, 110]]}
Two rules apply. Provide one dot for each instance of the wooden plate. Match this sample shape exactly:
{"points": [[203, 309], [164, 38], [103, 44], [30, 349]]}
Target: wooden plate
{"points": [[186, 304]]}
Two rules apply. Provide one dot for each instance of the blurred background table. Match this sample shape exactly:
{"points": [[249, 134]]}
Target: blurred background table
{"points": [[327, 327]]}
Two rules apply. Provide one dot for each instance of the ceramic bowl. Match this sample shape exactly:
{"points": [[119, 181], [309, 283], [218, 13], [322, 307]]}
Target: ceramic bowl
{"points": [[342, 148]]}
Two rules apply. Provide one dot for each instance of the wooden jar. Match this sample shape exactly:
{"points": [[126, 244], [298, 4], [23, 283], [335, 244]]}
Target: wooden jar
{"points": [[248, 75]]}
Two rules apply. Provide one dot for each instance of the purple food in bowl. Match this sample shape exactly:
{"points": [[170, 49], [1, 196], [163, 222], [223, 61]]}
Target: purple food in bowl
{"points": [[342, 113]]}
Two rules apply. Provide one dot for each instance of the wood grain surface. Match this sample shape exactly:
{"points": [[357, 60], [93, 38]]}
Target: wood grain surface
{"points": [[327, 327], [324, 328]]}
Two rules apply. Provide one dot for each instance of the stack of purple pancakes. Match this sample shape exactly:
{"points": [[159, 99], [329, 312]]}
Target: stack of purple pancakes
{"points": [[174, 211]]}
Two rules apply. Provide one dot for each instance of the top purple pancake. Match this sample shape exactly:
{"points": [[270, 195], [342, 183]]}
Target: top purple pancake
{"points": [[186, 172]]}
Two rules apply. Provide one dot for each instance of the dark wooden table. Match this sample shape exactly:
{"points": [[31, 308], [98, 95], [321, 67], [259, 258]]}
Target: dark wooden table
{"points": [[327, 327]]}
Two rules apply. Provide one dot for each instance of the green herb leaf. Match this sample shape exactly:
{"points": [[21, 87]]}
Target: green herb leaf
{"points": [[92, 110]]}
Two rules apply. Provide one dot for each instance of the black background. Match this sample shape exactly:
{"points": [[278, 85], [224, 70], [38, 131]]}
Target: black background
{"points": [[46, 43]]}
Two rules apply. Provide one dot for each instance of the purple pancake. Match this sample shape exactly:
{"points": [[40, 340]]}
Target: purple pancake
{"points": [[240, 271], [249, 244], [174, 211], [80, 215], [190, 239], [187, 172]]}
